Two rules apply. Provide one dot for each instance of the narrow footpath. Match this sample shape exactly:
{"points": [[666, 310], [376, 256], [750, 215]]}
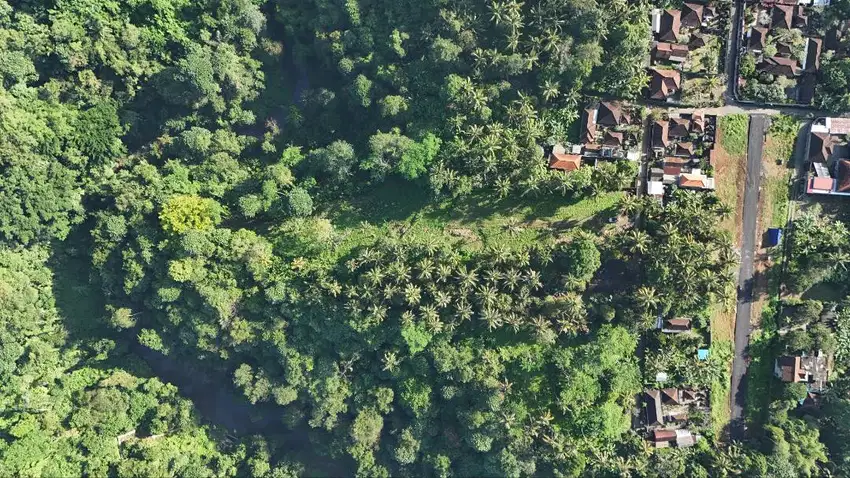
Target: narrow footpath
{"points": [[745, 276]]}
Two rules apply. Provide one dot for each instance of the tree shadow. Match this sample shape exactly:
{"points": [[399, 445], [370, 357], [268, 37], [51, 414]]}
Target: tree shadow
{"points": [[79, 302]]}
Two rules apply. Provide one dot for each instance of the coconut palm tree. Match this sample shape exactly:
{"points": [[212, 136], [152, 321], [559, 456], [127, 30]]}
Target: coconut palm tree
{"points": [[646, 297], [464, 310], [550, 90], [391, 361], [467, 278], [375, 276], [443, 273], [533, 279], [630, 204], [412, 294], [492, 317], [638, 241]]}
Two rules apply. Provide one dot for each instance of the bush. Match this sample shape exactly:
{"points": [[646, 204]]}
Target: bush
{"points": [[734, 134], [299, 202]]}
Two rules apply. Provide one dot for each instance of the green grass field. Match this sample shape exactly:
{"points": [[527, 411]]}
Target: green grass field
{"points": [[734, 134], [482, 220]]}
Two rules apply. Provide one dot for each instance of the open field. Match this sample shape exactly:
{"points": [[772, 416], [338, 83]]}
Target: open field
{"points": [[482, 220]]}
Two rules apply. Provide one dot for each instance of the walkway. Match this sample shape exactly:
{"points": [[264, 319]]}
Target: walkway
{"points": [[745, 276]]}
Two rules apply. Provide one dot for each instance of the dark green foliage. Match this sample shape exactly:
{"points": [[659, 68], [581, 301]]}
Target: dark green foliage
{"points": [[216, 152], [832, 88], [818, 247]]}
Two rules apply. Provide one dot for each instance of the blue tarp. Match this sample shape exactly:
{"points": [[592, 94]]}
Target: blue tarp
{"points": [[774, 235], [702, 354]]}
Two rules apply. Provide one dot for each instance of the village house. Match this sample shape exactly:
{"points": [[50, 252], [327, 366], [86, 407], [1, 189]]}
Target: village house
{"points": [[674, 326], [667, 414], [828, 154], [664, 83], [606, 132], [682, 148], [776, 53], [811, 370], [677, 35]]}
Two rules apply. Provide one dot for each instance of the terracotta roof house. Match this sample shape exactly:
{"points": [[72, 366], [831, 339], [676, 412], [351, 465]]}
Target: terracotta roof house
{"points": [[588, 124], [670, 395], [820, 185], [781, 16], [695, 181], [789, 369], [671, 51], [611, 113], [659, 134], [698, 40], [692, 15], [758, 38], [612, 138], [671, 25], [679, 127], [663, 435], [821, 146], [663, 83], [674, 161], [685, 149], [561, 161], [652, 399], [813, 50], [777, 65], [675, 326], [812, 370], [842, 173], [672, 170], [698, 123]]}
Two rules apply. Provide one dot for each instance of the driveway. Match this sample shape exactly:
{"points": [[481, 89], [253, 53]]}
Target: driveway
{"points": [[745, 276]]}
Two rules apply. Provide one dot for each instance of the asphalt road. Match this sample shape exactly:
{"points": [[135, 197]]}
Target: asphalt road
{"points": [[745, 276], [732, 47]]}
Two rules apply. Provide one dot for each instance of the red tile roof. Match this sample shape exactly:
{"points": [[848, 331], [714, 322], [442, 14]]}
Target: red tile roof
{"points": [[663, 83], [778, 65], [671, 24], [821, 184], [692, 15], [781, 16], [564, 162], [663, 435]]}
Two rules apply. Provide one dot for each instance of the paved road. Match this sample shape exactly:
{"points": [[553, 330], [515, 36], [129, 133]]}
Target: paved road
{"points": [[745, 276], [732, 48]]}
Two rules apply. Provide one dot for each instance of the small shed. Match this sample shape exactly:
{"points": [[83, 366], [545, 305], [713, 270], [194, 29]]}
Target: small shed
{"points": [[774, 236]]}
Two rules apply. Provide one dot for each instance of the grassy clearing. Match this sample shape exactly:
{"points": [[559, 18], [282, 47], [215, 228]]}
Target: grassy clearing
{"points": [[472, 223], [734, 131], [479, 220]]}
